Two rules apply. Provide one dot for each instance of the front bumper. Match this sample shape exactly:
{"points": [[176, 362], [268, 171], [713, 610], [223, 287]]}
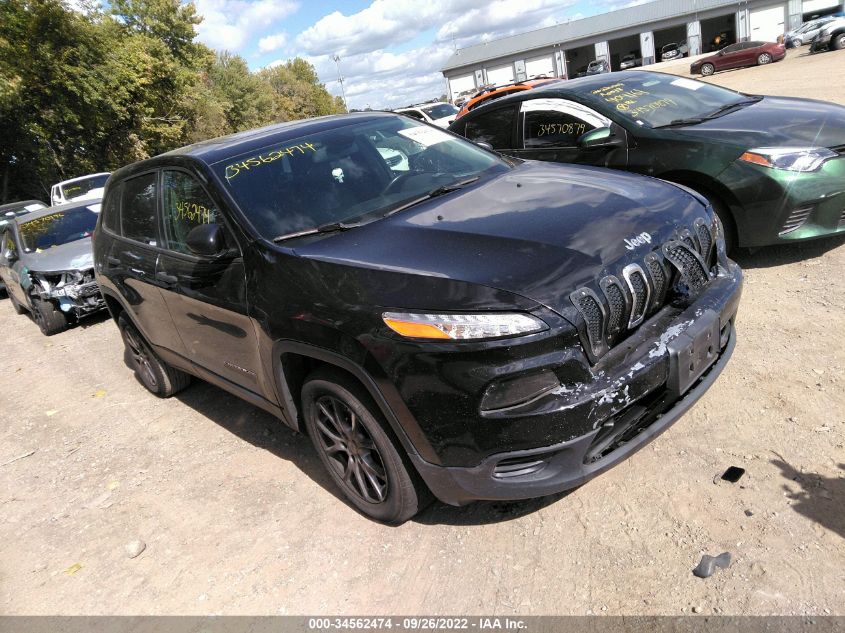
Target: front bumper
{"points": [[780, 206], [628, 404], [820, 43]]}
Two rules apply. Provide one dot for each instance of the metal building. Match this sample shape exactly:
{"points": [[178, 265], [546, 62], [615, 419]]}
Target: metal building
{"points": [[565, 49]]}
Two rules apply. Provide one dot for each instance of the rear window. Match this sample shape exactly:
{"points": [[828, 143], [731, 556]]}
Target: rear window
{"points": [[80, 188], [56, 229]]}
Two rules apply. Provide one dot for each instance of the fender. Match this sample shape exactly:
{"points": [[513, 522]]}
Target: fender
{"points": [[381, 391]]}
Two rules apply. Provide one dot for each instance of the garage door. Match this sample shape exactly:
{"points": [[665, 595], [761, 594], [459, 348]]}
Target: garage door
{"points": [[539, 66], [767, 24], [459, 84], [501, 75]]}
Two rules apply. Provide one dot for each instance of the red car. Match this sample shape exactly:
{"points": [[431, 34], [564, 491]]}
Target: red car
{"points": [[739, 55]]}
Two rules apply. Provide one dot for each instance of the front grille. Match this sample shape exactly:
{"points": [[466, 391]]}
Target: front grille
{"points": [[688, 262], [682, 263], [795, 220], [618, 306], [640, 292]]}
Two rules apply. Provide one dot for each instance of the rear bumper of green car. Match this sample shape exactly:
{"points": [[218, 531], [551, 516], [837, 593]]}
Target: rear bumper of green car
{"points": [[777, 206]]}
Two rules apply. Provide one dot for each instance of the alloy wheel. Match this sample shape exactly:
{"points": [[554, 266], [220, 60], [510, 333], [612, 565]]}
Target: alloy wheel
{"points": [[140, 356], [764, 58], [350, 450]]}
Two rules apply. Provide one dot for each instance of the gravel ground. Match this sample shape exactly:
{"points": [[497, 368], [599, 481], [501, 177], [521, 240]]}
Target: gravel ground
{"points": [[235, 515]]}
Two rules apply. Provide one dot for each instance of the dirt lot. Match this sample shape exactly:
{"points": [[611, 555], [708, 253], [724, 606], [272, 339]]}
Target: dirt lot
{"points": [[237, 516]]}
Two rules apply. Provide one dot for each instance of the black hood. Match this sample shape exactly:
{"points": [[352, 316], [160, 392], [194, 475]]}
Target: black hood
{"points": [[777, 122], [540, 231]]}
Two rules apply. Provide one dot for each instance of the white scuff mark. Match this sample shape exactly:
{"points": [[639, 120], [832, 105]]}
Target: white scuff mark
{"points": [[668, 335], [635, 369]]}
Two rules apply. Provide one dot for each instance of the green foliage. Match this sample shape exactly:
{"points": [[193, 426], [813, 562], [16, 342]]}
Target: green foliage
{"points": [[83, 92]]}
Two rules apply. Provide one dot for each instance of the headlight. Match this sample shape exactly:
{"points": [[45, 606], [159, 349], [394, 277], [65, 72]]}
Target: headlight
{"points": [[461, 327], [789, 158]]}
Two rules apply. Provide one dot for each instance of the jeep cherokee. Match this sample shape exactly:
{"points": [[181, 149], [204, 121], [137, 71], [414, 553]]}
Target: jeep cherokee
{"points": [[472, 326]]}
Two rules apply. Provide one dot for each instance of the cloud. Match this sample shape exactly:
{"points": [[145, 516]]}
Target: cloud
{"points": [[272, 42], [500, 19], [231, 24]]}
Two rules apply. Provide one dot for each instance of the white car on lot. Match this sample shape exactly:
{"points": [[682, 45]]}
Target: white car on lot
{"points": [[439, 114], [88, 187]]}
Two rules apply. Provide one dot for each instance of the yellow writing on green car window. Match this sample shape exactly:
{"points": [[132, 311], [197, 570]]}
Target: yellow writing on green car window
{"points": [[650, 107], [193, 212], [547, 129], [262, 159]]}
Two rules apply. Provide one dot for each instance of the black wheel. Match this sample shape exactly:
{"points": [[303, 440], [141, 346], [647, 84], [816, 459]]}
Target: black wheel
{"points": [[17, 307], [707, 69], [50, 320], [796, 43], [157, 376], [764, 58], [357, 449], [838, 41]]}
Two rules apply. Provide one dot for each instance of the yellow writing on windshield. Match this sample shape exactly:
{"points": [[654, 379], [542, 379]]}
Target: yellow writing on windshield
{"points": [[631, 101], [262, 159]]}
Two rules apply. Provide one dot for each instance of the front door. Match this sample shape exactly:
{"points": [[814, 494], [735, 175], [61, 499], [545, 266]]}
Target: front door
{"points": [[206, 296], [550, 129]]}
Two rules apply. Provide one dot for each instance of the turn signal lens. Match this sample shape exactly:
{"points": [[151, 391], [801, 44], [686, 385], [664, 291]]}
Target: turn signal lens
{"points": [[460, 327], [801, 159]]}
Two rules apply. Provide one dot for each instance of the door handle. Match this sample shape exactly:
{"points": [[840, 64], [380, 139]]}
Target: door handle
{"points": [[114, 261], [168, 279], [138, 271]]}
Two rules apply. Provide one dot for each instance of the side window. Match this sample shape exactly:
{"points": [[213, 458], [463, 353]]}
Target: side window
{"points": [[138, 209], [186, 205], [110, 209], [732, 48], [494, 127], [413, 114], [8, 245], [557, 122]]}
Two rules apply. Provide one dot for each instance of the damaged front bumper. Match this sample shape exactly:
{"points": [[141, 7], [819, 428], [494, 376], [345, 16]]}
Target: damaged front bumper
{"points": [[639, 390], [75, 292]]}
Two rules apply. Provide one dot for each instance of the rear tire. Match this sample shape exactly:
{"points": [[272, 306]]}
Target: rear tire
{"points": [[358, 451], [158, 377], [707, 70], [50, 320], [764, 58]]}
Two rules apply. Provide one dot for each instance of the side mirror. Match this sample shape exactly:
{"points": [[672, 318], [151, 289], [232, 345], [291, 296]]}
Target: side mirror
{"points": [[486, 146], [207, 240], [600, 137]]}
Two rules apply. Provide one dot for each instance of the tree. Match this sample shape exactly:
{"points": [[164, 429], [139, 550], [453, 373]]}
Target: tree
{"points": [[299, 93]]}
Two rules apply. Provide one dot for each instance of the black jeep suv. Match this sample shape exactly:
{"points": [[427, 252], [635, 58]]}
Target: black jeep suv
{"points": [[436, 317]]}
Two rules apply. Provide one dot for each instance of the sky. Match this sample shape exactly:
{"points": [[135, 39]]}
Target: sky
{"points": [[391, 51]]}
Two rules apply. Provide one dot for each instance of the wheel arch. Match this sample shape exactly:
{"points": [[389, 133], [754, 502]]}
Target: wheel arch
{"points": [[711, 189], [294, 361]]}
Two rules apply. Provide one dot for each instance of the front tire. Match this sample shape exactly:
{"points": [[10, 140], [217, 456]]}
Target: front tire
{"points": [[838, 41], [357, 449], [764, 58], [707, 70], [50, 320], [158, 377]]}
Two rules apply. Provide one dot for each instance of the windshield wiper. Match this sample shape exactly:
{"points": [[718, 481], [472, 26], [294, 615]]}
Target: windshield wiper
{"points": [[439, 191], [725, 109], [331, 227]]}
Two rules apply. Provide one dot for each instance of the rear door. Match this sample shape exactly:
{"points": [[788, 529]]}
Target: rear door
{"points": [[130, 263], [206, 296], [549, 129]]}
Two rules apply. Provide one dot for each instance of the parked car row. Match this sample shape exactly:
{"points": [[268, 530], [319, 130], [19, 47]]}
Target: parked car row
{"points": [[468, 320]]}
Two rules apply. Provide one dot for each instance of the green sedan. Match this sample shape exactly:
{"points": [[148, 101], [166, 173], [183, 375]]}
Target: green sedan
{"points": [[772, 167]]}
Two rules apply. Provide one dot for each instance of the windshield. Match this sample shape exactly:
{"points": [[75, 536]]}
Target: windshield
{"points": [[79, 188], [654, 100], [355, 173], [440, 110], [57, 228]]}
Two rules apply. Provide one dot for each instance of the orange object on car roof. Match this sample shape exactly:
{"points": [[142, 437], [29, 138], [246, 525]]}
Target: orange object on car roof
{"points": [[490, 93]]}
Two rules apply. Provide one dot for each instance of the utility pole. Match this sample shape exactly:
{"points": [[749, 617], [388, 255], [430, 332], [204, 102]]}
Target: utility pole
{"points": [[336, 59]]}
